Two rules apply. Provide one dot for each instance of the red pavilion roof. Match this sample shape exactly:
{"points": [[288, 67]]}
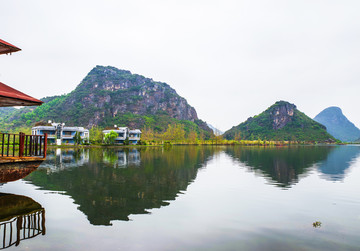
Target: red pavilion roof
{"points": [[8, 95], [6, 47], [12, 97]]}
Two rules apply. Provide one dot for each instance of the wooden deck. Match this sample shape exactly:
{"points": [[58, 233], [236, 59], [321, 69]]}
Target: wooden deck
{"points": [[16, 160], [20, 155]]}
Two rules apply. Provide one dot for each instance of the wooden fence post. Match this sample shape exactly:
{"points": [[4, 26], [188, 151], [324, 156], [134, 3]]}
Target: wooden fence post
{"points": [[19, 221], [30, 145], [43, 227], [3, 144], [21, 144], [45, 144]]}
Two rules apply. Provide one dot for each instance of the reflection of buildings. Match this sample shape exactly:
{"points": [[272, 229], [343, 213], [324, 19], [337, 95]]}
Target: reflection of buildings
{"points": [[123, 157], [60, 159], [122, 160], [21, 218], [134, 157]]}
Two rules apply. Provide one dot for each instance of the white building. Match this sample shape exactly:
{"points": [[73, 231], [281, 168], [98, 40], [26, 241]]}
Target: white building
{"points": [[60, 134], [123, 133], [134, 136]]}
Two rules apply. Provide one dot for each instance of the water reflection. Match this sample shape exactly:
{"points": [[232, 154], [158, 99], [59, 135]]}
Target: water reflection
{"points": [[113, 183], [122, 157], [60, 159], [283, 165], [12, 172], [224, 209], [338, 161], [110, 184], [21, 218]]}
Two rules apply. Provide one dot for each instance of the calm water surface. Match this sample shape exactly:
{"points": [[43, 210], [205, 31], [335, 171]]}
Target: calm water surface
{"points": [[187, 198]]}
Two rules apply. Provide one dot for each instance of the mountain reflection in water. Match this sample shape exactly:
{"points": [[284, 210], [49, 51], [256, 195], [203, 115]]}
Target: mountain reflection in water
{"points": [[338, 161], [104, 190], [112, 183], [283, 165]]}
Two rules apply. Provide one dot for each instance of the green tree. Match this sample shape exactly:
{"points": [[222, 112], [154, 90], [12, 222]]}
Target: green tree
{"points": [[126, 141], [110, 137], [147, 134], [237, 136], [202, 137], [175, 133], [77, 138], [192, 137], [96, 135]]}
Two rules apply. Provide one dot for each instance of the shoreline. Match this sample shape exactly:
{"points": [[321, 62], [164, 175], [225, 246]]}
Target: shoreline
{"points": [[169, 145]]}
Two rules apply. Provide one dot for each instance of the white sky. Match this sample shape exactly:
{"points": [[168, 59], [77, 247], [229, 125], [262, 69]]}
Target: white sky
{"points": [[229, 59]]}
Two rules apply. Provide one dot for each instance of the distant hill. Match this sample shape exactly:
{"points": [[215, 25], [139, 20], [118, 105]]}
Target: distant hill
{"points": [[281, 121], [338, 125], [109, 96], [216, 131], [5, 111]]}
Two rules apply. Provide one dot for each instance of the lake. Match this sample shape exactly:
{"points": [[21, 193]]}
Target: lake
{"points": [[187, 198]]}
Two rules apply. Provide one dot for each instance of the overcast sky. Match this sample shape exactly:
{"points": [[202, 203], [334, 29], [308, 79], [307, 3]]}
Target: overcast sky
{"points": [[229, 59]]}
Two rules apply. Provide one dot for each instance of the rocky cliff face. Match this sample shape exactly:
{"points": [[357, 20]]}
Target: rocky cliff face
{"points": [[281, 121], [126, 92], [110, 91], [282, 114], [109, 96]]}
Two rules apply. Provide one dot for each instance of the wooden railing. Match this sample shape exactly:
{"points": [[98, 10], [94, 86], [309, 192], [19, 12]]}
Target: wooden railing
{"points": [[21, 145], [21, 228]]}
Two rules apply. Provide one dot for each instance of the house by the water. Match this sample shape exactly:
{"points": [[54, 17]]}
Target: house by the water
{"points": [[125, 133], [60, 134]]}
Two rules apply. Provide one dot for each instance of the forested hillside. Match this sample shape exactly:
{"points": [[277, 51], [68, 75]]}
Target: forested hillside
{"points": [[281, 121], [109, 96]]}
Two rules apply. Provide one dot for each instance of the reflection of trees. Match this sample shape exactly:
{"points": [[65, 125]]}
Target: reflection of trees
{"points": [[21, 218], [105, 193], [336, 163], [283, 165]]}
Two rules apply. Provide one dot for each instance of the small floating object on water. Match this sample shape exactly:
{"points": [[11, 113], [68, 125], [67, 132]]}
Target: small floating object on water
{"points": [[316, 224]]}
